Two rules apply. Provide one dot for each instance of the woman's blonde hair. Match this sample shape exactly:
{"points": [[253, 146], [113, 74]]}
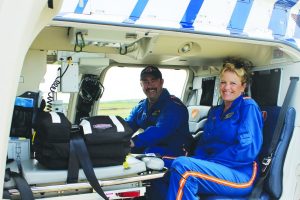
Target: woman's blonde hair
{"points": [[241, 67]]}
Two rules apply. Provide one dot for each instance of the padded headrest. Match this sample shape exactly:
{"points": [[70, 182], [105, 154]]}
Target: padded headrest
{"points": [[196, 113], [197, 83]]}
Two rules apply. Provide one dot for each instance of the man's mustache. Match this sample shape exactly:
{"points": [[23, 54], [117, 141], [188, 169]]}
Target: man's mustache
{"points": [[151, 89]]}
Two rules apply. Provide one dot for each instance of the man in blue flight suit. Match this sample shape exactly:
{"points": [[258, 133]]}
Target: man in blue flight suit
{"points": [[163, 118]]}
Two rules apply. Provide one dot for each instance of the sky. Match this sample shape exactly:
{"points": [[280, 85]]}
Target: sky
{"points": [[124, 83]]}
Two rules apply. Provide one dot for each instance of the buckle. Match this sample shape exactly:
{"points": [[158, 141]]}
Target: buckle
{"points": [[266, 162], [75, 128]]}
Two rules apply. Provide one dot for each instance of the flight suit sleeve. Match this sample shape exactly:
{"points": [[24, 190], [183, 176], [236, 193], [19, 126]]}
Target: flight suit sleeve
{"points": [[132, 118], [248, 140], [171, 117]]}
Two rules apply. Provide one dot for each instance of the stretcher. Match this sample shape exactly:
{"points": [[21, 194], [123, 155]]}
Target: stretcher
{"points": [[118, 182]]}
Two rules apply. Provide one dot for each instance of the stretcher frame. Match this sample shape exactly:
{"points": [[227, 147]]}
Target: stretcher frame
{"points": [[136, 181]]}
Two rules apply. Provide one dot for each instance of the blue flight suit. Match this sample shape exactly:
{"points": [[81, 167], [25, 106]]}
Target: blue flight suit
{"points": [[224, 161], [165, 126]]}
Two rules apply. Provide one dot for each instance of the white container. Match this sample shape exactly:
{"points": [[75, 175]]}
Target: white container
{"points": [[18, 149]]}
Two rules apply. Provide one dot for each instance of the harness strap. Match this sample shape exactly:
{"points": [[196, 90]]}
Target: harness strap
{"points": [[22, 185], [79, 152]]}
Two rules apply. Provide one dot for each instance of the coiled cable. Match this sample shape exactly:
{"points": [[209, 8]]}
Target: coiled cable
{"points": [[55, 84]]}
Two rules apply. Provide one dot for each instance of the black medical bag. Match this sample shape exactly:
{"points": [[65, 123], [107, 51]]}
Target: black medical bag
{"points": [[107, 139]]}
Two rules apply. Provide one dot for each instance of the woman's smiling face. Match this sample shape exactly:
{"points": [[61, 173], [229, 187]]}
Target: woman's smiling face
{"points": [[231, 86]]}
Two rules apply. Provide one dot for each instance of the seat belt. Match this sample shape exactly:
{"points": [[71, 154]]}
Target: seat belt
{"points": [[193, 94], [79, 154], [21, 184], [267, 159]]}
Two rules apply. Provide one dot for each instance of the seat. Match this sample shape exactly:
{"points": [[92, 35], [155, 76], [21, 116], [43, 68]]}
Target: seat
{"points": [[197, 119], [272, 188]]}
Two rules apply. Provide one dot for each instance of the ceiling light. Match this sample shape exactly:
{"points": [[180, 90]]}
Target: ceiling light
{"points": [[185, 48]]}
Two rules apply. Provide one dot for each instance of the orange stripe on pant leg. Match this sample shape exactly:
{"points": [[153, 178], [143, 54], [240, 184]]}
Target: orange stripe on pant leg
{"points": [[169, 157], [214, 179]]}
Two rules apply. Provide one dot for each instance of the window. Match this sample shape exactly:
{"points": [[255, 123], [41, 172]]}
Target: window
{"points": [[123, 91], [265, 87], [208, 89]]}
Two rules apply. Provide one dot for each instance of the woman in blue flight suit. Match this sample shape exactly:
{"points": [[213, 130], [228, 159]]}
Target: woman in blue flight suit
{"points": [[163, 117], [224, 161]]}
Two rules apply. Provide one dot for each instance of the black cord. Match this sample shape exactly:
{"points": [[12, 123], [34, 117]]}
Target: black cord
{"points": [[55, 84], [123, 50], [91, 89], [78, 44]]}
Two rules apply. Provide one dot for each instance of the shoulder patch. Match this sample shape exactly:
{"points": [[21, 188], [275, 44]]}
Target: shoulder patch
{"points": [[155, 112], [228, 115]]}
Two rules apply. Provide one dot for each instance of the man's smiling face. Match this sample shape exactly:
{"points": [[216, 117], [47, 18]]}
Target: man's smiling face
{"points": [[152, 87]]}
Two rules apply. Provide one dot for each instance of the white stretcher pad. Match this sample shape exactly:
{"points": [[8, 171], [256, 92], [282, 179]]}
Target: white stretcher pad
{"points": [[35, 173]]}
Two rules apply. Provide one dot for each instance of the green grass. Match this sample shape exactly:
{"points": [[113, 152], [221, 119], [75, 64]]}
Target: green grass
{"points": [[119, 108]]}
